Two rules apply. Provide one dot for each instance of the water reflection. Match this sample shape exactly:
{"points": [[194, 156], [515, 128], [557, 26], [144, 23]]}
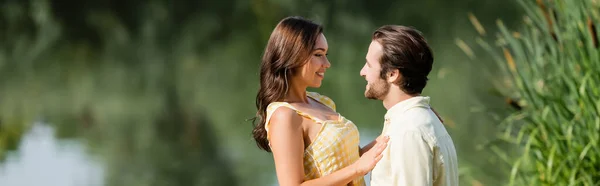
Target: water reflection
{"points": [[44, 160]]}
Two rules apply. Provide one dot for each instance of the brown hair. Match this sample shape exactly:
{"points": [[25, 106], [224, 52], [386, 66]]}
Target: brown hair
{"points": [[405, 49], [288, 48]]}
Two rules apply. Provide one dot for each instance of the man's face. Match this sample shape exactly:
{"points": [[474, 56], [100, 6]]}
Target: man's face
{"points": [[376, 88]]}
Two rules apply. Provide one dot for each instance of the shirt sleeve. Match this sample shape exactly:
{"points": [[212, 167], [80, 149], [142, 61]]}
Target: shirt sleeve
{"points": [[411, 160]]}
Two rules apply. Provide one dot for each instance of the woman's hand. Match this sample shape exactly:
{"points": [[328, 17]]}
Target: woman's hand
{"points": [[367, 147], [369, 159]]}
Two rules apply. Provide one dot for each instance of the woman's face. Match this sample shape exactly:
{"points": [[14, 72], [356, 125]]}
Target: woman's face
{"points": [[311, 74]]}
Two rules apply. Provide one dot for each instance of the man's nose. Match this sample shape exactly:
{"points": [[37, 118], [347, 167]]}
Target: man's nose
{"points": [[362, 72]]}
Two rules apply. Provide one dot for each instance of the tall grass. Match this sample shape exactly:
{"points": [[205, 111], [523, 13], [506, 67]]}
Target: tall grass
{"points": [[552, 65]]}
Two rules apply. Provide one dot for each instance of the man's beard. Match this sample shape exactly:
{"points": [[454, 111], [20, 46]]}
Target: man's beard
{"points": [[377, 90]]}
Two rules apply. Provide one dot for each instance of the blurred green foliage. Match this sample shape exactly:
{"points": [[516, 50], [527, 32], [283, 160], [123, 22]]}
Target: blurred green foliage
{"points": [[161, 90]]}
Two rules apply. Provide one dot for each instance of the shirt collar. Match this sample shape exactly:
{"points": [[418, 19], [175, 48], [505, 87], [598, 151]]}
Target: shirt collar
{"points": [[402, 106]]}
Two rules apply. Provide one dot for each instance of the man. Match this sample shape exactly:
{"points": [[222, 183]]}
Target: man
{"points": [[420, 150]]}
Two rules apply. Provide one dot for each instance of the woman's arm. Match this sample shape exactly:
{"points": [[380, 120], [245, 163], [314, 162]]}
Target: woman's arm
{"points": [[287, 145]]}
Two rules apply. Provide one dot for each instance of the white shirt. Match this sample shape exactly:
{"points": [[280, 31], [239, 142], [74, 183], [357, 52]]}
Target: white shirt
{"points": [[420, 150]]}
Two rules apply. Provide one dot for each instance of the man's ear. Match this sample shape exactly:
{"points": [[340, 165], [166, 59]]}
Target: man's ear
{"points": [[393, 76]]}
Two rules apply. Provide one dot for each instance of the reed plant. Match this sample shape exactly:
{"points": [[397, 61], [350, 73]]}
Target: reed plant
{"points": [[552, 69]]}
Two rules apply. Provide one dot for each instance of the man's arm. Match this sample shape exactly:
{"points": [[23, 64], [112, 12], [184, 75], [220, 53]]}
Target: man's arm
{"points": [[367, 147], [411, 159], [436, 114]]}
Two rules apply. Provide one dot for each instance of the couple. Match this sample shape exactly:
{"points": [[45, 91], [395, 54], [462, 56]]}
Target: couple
{"points": [[312, 144]]}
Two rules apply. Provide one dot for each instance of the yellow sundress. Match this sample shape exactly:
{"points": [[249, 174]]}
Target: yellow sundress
{"points": [[335, 147]]}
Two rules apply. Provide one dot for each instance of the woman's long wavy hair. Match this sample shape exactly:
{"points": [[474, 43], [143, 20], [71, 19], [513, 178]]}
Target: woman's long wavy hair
{"points": [[289, 47]]}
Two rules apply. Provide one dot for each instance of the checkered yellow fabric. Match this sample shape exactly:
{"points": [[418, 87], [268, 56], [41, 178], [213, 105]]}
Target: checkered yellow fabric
{"points": [[335, 147]]}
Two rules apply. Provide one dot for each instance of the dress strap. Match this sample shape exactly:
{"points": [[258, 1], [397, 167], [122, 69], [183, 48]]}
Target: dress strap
{"points": [[322, 99]]}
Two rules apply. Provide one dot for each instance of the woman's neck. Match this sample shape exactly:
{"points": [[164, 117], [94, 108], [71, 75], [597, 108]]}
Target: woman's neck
{"points": [[296, 94]]}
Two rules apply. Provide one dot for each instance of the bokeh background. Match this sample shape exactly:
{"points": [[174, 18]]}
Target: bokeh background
{"points": [[159, 92]]}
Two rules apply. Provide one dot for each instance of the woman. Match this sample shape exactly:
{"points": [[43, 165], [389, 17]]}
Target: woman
{"points": [[311, 143]]}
